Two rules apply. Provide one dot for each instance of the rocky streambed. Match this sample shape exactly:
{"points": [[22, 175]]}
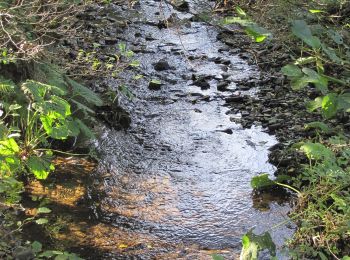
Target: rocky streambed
{"points": [[176, 181], [181, 172]]}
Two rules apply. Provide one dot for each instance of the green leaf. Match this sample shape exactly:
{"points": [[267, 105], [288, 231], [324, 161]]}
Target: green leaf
{"points": [[292, 71], [43, 210], [320, 82], [87, 94], [84, 129], [303, 32], [305, 60], [126, 91], [41, 221], [156, 81], [331, 54], [318, 125], [329, 105], [39, 167], [36, 247], [261, 181], [217, 257], [313, 105], [314, 11], [344, 102], [317, 151], [252, 244], [240, 12], [335, 36], [9, 147]]}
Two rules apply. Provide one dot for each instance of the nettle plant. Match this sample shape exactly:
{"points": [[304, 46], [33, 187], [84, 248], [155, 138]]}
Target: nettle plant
{"points": [[31, 115], [311, 68]]}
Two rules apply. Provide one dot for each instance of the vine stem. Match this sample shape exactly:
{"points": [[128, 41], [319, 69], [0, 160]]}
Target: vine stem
{"points": [[61, 152]]}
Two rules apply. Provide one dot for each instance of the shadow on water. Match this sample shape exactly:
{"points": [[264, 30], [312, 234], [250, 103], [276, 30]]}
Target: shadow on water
{"points": [[176, 183]]}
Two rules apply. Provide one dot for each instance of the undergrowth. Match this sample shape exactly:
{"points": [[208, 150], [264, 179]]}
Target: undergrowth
{"points": [[316, 36]]}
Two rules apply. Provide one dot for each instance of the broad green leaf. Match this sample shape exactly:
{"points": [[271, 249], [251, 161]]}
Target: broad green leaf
{"points": [[217, 257], [60, 131], [9, 147], [303, 32], [258, 33], [43, 210], [36, 247], [84, 129], [320, 82], [40, 167], [261, 181], [252, 244], [317, 151], [292, 71], [344, 102], [331, 54], [335, 36], [318, 125], [156, 81], [73, 128], [79, 90], [313, 105], [41, 221], [329, 105]]}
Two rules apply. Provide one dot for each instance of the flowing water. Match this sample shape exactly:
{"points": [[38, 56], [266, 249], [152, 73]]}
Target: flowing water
{"points": [[178, 180]]}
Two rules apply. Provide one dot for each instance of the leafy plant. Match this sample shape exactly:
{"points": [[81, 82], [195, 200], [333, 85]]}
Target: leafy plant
{"points": [[319, 54], [253, 243], [32, 114], [253, 30]]}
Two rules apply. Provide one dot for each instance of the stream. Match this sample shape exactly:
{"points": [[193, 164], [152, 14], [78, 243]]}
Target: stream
{"points": [[177, 181]]}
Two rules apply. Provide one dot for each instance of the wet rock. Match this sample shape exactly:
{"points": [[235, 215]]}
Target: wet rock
{"points": [[234, 99], [182, 6], [275, 127], [222, 86], [228, 131], [161, 65], [202, 83], [154, 85], [225, 75]]}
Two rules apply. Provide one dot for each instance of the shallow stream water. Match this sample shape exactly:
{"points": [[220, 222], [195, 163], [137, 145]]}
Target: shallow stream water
{"points": [[178, 180]]}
